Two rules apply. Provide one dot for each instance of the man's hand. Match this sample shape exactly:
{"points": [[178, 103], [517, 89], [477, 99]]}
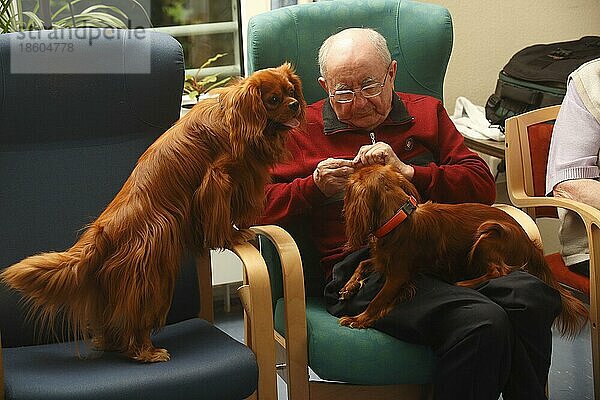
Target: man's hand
{"points": [[332, 174], [382, 153]]}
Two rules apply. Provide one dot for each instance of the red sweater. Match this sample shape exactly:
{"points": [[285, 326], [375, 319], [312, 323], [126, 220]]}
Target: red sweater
{"points": [[421, 134]]}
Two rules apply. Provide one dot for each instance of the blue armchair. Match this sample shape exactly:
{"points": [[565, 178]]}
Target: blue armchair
{"points": [[71, 130]]}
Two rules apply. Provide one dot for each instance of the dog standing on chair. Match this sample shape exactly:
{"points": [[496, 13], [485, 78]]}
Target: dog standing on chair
{"points": [[198, 186], [462, 243]]}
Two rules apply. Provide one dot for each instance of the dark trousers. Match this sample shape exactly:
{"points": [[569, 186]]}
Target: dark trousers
{"points": [[496, 339]]}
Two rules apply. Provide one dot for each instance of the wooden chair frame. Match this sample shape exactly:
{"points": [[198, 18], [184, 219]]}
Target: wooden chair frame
{"points": [[260, 324], [292, 350], [520, 190]]}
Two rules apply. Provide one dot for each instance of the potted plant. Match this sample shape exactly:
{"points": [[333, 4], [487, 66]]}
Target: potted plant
{"points": [[14, 18], [197, 85]]}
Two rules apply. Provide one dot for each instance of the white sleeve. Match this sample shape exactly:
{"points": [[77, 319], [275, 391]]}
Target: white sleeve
{"points": [[575, 143]]}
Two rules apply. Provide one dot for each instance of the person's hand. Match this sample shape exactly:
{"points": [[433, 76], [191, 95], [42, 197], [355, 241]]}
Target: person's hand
{"points": [[331, 175], [382, 153]]}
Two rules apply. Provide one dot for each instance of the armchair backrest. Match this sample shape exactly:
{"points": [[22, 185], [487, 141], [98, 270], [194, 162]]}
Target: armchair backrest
{"points": [[68, 141], [527, 144], [419, 37]]}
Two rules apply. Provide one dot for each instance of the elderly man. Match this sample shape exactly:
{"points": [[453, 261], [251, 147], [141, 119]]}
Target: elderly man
{"points": [[491, 340]]}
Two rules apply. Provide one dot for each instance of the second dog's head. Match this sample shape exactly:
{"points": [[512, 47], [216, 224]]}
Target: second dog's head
{"points": [[374, 194], [260, 109]]}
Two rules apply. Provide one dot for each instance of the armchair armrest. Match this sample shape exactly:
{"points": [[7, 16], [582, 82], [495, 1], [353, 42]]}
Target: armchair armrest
{"points": [[526, 222], [295, 341], [591, 219], [255, 295]]}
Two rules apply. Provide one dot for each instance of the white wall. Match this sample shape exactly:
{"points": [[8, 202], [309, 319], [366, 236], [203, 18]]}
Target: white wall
{"points": [[488, 32]]}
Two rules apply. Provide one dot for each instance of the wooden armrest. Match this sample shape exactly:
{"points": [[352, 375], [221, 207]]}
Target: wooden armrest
{"points": [[526, 222], [591, 219], [255, 295], [588, 213], [294, 305]]}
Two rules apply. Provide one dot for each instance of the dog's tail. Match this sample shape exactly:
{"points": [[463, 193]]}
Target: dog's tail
{"points": [[574, 314], [54, 284]]}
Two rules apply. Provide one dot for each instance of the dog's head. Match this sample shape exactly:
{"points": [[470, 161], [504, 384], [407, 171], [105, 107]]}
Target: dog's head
{"points": [[262, 108], [374, 194]]}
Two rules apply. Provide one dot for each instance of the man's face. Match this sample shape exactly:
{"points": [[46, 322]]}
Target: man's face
{"points": [[356, 70]]}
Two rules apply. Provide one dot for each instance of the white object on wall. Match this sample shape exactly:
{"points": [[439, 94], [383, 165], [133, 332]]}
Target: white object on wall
{"points": [[226, 267]]}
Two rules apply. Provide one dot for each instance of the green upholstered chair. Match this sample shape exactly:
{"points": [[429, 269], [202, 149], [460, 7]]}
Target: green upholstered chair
{"points": [[419, 37]]}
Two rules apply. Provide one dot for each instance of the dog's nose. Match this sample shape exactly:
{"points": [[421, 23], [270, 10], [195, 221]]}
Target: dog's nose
{"points": [[294, 105]]}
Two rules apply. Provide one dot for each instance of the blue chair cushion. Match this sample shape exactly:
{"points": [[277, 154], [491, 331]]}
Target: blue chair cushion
{"points": [[205, 364], [359, 356]]}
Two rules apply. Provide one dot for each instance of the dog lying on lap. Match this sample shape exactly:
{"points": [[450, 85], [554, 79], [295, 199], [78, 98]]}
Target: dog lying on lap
{"points": [[452, 241]]}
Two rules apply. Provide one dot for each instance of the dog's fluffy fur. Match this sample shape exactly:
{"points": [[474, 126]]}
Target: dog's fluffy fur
{"points": [[188, 190], [452, 241]]}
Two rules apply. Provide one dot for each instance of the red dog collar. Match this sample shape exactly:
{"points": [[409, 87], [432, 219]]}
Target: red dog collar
{"points": [[401, 215]]}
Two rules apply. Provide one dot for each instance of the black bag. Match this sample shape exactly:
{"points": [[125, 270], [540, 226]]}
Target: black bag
{"points": [[536, 77]]}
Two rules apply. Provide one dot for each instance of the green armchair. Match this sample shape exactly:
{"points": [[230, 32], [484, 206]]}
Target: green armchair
{"points": [[351, 363]]}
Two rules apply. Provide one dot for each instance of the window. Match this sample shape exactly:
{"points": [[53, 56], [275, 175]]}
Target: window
{"points": [[204, 28]]}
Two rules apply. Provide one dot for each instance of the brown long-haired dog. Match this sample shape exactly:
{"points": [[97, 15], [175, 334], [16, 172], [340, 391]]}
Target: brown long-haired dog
{"points": [[192, 185], [452, 241]]}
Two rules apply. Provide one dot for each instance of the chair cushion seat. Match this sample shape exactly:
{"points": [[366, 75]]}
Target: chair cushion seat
{"points": [[205, 363], [358, 356]]}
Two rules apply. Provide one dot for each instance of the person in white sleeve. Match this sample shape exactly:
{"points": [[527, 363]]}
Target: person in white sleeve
{"points": [[573, 166]]}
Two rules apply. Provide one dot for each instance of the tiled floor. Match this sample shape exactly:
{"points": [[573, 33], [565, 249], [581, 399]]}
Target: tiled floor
{"points": [[571, 370]]}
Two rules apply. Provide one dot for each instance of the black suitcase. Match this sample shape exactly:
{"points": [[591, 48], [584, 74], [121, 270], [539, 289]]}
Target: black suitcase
{"points": [[536, 77]]}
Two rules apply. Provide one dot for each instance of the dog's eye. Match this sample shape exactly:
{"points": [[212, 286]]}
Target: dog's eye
{"points": [[274, 100], [292, 93]]}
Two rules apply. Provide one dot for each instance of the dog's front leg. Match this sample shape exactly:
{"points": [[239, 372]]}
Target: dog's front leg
{"points": [[212, 206], [357, 279], [395, 289], [242, 235]]}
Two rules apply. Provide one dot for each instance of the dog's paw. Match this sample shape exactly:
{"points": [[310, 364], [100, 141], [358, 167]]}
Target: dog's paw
{"points": [[242, 236], [350, 289], [358, 322], [152, 355]]}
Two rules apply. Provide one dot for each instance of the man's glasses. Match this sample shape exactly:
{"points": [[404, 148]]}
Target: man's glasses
{"points": [[371, 90]]}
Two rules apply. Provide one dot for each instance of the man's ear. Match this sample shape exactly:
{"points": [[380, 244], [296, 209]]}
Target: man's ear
{"points": [[393, 71], [323, 83]]}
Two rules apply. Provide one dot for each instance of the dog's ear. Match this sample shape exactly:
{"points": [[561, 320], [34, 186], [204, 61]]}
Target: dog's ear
{"points": [[408, 187], [290, 72], [358, 214], [245, 114]]}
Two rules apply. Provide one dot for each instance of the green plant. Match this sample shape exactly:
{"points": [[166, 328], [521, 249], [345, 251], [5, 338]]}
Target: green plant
{"points": [[14, 18], [195, 85]]}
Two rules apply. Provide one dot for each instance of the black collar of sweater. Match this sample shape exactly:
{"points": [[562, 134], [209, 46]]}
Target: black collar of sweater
{"points": [[397, 116]]}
